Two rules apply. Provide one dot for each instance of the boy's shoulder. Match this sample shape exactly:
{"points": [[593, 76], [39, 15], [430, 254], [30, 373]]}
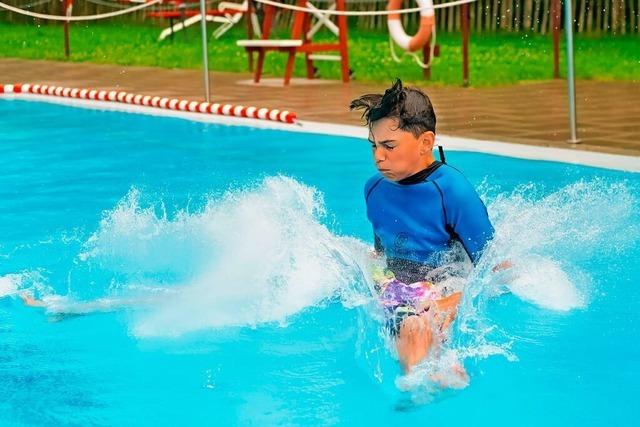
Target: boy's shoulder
{"points": [[452, 181], [447, 172], [372, 182]]}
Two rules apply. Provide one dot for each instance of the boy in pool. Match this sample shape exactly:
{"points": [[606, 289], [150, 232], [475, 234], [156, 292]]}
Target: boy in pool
{"points": [[418, 207]]}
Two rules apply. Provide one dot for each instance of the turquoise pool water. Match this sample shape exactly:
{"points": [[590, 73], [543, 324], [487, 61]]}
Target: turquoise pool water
{"points": [[207, 274]]}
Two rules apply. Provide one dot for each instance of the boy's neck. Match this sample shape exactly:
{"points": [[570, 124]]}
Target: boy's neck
{"points": [[421, 175], [428, 161]]}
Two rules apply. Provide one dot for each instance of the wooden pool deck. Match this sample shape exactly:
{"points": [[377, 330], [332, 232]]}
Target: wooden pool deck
{"points": [[528, 113]]}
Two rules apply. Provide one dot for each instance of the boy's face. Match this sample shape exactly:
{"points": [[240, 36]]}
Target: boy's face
{"points": [[397, 153]]}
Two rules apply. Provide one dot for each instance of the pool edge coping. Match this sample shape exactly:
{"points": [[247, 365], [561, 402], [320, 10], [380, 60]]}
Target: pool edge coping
{"points": [[555, 154]]}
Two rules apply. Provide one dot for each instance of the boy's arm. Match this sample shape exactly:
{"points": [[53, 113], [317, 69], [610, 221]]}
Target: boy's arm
{"points": [[467, 217], [471, 225], [368, 188]]}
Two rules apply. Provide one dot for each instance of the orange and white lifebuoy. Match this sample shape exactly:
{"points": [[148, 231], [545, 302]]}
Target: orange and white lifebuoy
{"points": [[427, 21]]}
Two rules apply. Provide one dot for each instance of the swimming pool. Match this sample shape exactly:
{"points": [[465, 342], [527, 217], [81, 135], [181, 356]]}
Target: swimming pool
{"points": [[219, 266]]}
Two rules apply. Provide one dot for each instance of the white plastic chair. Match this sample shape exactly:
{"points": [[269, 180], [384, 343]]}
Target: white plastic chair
{"points": [[231, 19], [226, 21]]}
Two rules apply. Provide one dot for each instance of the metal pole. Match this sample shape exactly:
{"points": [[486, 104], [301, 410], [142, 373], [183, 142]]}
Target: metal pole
{"points": [[568, 28], [205, 49], [464, 18]]}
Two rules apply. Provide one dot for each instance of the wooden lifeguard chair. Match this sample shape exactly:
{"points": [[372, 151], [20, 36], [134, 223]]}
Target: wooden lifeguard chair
{"points": [[301, 41]]}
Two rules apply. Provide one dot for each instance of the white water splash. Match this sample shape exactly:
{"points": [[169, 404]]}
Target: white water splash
{"points": [[256, 255], [30, 281], [544, 283], [262, 254], [548, 239], [9, 284]]}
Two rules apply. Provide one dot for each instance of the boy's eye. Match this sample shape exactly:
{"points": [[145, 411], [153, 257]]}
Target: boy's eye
{"points": [[383, 145]]}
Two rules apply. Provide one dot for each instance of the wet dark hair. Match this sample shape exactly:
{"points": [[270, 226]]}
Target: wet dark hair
{"points": [[411, 107]]}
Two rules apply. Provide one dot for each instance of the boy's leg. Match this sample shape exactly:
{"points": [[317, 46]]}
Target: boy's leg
{"points": [[415, 336], [30, 301], [414, 341], [445, 312]]}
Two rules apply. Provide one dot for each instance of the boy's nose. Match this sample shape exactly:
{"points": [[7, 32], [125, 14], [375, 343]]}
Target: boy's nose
{"points": [[378, 155]]}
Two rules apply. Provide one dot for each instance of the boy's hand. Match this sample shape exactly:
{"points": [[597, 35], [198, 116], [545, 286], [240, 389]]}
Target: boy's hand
{"points": [[449, 303], [375, 254], [504, 265], [447, 309]]}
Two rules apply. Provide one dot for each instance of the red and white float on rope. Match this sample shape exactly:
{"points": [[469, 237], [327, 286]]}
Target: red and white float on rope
{"points": [[153, 101], [421, 38]]}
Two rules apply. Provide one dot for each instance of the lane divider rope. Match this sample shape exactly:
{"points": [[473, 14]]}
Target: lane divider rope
{"points": [[122, 97]]}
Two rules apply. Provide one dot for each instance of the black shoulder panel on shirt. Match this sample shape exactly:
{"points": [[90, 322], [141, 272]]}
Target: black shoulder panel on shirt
{"points": [[422, 175]]}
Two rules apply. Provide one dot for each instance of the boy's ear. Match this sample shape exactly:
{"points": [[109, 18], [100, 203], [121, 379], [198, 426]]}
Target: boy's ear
{"points": [[428, 139]]}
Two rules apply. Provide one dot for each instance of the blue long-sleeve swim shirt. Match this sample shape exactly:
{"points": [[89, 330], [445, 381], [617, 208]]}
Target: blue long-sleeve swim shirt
{"points": [[418, 218]]}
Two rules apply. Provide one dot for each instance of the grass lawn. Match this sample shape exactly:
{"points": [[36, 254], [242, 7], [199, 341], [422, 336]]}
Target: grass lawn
{"points": [[495, 59]]}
